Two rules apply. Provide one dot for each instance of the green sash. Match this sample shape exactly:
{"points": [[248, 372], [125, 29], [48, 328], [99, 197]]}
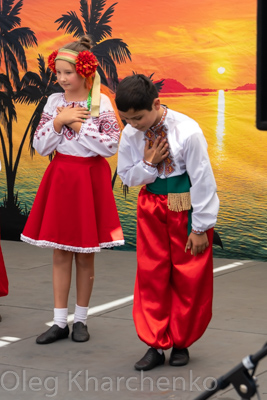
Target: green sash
{"points": [[178, 190]]}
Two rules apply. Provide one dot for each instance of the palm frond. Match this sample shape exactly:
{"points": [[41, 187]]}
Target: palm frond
{"points": [[115, 48], [4, 81], [107, 64], [7, 23], [71, 23], [25, 36], [14, 47], [44, 74], [85, 15], [48, 78], [6, 6], [29, 95], [12, 66], [159, 84], [125, 190], [13, 15], [102, 76], [102, 29], [53, 86], [96, 9], [35, 122], [101, 32], [7, 104], [30, 78], [4, 99]]}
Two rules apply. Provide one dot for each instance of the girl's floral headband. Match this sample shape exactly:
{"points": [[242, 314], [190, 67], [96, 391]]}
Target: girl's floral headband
{"points": [[85, 61]]}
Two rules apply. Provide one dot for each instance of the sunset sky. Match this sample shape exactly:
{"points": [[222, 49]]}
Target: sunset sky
{"points": [[183, 40]]}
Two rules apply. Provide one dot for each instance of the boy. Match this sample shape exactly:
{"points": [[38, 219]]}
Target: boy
{"points": [[177, 209]]}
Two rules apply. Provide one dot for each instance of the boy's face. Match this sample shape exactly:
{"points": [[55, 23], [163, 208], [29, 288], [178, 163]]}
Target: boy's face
{"points": [[143, 119]]}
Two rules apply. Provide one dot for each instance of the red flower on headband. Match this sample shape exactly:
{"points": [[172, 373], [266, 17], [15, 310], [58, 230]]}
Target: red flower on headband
{"points": [[51, 61], [86, 64]]}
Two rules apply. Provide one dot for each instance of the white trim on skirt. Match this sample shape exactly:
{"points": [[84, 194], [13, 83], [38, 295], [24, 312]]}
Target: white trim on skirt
{"points": [[47, 244]]}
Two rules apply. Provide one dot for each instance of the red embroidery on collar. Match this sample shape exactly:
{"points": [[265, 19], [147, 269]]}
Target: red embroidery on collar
{"points": [[165, 167]]}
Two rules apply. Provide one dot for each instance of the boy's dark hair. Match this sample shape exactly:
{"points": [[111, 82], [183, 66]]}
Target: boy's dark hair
{"points": [[137, 92]]}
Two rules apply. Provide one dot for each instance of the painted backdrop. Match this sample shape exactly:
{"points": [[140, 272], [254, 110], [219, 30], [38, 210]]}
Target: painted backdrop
{"points": [[205, 53]]}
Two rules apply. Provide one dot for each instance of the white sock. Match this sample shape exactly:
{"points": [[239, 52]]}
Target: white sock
{"points": [[80, 314], [61, 317], [160, 351]]}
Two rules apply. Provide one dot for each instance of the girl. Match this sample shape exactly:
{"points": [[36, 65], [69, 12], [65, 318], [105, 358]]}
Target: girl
{"points": [[74, 211]]}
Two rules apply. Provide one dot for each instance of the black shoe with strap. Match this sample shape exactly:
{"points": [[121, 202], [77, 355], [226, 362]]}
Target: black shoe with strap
{"points": [[151, 359], [179, 357], [53, 334]]}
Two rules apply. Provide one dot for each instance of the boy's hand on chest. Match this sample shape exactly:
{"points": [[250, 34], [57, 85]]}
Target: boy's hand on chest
{"points": [[157, 152]]}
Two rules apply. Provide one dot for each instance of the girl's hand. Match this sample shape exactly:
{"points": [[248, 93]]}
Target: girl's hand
{"points": [[158, 152], [68, 115], [197, 243], [59, 109]]}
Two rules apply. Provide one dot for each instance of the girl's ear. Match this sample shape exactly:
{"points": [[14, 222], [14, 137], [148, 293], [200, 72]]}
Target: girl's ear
{"points": [[156, 103]]}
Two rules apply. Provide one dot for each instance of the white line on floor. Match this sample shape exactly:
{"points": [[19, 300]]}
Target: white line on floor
{"points": [[229, 266], [103, 307], [4, 340], [128, 299]]}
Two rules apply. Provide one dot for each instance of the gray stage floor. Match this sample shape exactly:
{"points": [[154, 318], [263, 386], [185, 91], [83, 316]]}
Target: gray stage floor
{"points": [[103, 367]]}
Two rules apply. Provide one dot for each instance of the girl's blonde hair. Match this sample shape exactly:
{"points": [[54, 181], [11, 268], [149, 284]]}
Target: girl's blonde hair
{"points": [[84, 43]]}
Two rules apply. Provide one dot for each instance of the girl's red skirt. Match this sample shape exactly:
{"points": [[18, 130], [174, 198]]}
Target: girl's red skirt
{"points": [[74, 208]]}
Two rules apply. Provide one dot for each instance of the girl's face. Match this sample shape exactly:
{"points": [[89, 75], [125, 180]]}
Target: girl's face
{"points": [[67, 76]]}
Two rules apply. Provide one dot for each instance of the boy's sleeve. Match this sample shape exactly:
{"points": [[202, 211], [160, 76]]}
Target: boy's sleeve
{"points": [[46, 139], [203, 191], [101, 134], [131, 168]]}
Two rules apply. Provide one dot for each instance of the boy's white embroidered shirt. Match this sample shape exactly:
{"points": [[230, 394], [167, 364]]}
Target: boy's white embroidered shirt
{"points": [[188, 148]]}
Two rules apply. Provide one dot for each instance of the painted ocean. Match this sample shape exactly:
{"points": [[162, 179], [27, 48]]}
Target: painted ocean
{"points": [[238, 155]]}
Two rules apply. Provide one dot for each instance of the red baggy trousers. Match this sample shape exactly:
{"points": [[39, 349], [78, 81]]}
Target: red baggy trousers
{"points": [[173, 289]]}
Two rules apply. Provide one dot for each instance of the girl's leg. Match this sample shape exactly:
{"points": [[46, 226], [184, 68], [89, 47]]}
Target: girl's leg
{"points": [[84, 277], [84, 285], [62, 266]]}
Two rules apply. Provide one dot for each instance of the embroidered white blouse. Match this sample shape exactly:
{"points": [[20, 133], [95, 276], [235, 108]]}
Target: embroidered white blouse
{"points": [[188, 152], [97, 136]]}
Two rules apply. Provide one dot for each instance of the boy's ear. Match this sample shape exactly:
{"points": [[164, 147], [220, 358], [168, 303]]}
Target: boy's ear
{"points": [[156, 103]]}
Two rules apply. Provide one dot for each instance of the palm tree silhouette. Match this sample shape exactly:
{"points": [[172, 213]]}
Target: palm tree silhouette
{"points": [[95, 23], [32, 89], [13, 39], [8, 114], [35, 89]]}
